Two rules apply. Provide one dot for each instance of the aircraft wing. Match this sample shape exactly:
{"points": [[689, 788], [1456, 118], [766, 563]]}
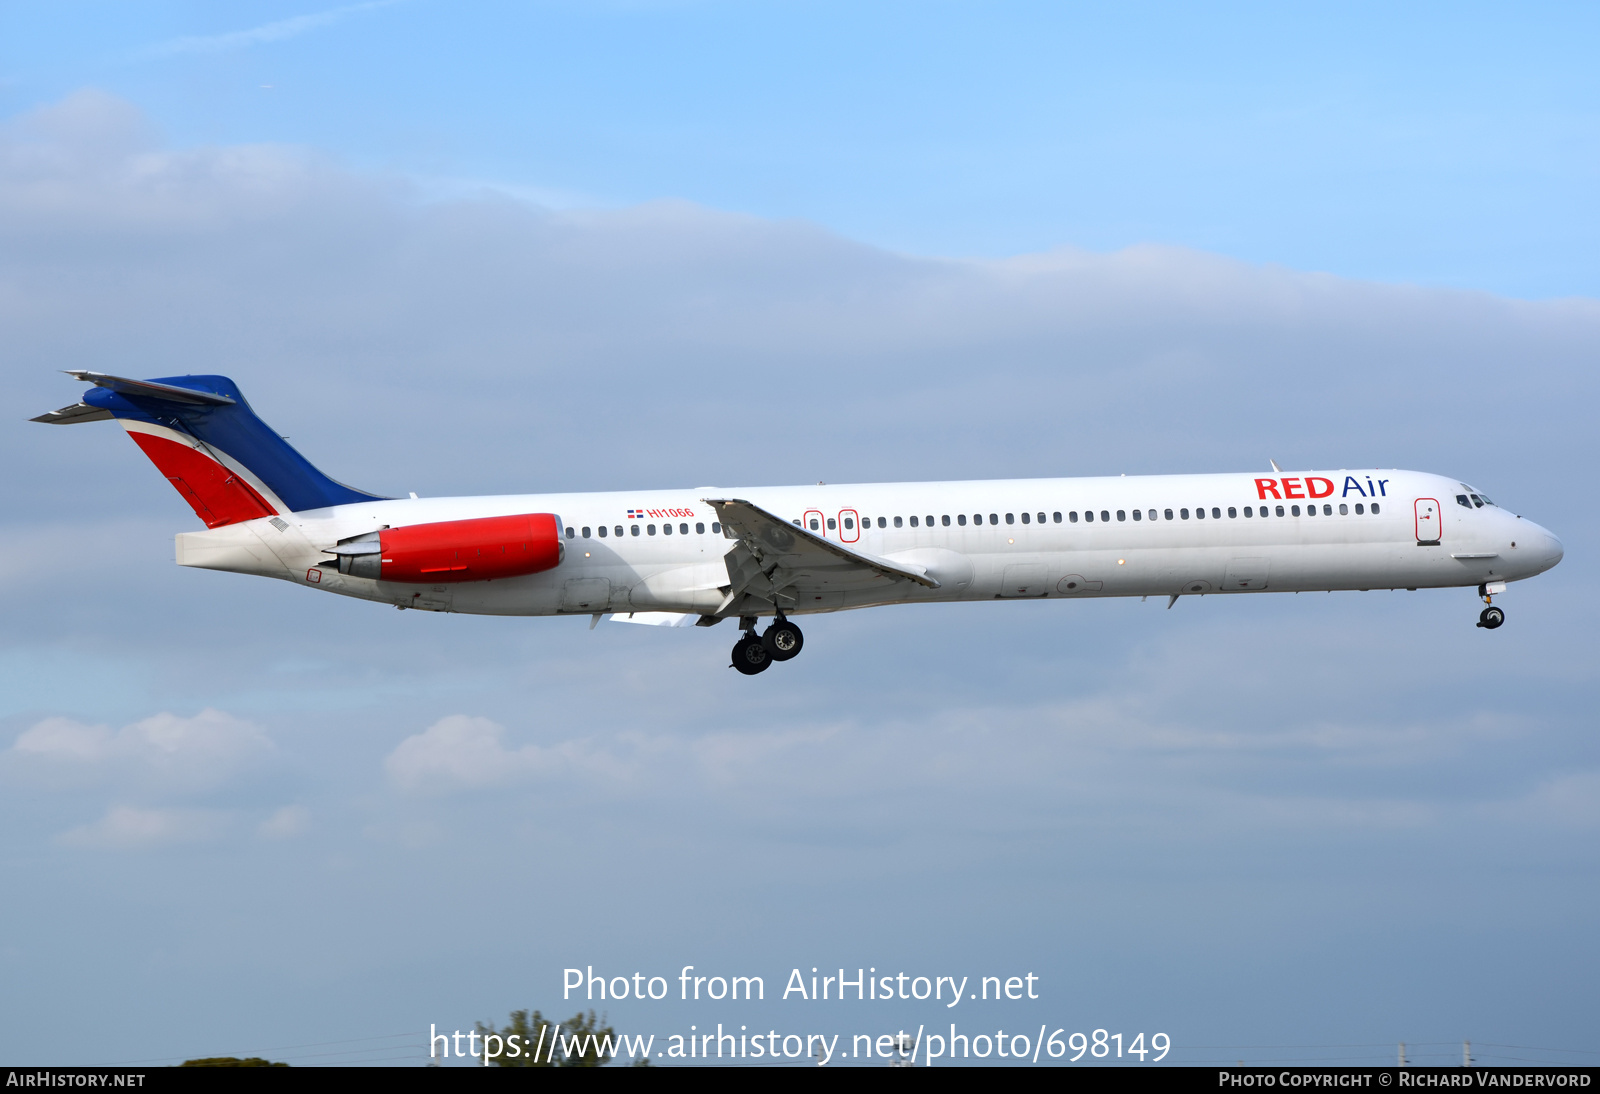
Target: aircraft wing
{"points": [[781, 562]]}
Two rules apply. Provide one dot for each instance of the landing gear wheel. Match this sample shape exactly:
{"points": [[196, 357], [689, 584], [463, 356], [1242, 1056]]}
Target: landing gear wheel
{"points": [[783, 640], [750, 656], [1490, 618]]}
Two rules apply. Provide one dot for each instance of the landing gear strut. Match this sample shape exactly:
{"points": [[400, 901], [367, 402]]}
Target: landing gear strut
{"points": [[1491, 617]]}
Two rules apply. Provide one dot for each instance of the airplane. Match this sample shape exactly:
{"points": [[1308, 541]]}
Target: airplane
{"points": [[674, 557]]}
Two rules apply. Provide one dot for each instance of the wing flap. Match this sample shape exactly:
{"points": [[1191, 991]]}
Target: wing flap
{"points": [[776, 544]]}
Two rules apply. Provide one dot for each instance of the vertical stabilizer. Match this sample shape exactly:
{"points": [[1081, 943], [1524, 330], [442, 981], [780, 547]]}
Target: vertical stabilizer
{"points": [[199, 431]]}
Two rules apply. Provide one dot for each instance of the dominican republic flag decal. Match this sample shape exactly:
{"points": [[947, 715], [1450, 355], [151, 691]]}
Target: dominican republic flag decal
{"points": [[635, 514]]}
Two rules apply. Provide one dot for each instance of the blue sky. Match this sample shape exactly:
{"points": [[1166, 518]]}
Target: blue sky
{"points": [[1444, 144], [611, 246]]}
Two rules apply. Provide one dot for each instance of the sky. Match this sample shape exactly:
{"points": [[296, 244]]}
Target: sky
{"points": [[600, 246]]}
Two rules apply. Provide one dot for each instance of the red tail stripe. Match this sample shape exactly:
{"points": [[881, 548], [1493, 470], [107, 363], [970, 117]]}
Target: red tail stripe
{"points": [[217, 495]]}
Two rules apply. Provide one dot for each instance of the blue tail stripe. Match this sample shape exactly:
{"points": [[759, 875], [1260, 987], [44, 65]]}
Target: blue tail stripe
{"points": [[236, 431]]}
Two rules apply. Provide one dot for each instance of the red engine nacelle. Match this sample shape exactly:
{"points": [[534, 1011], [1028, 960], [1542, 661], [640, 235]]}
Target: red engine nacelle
{"points": [[483, 549]]}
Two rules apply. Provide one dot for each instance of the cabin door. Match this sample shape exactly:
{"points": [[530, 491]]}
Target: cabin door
{"points": [[1427, 520]]}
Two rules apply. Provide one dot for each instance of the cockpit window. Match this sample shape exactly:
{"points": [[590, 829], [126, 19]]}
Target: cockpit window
{"points": [[1476, 500], [1461, 500]]}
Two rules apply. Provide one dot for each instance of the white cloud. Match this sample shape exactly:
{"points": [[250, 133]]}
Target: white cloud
{"points": [[461, 752], [127, 828], [264, 34], [164, 750], [286, 823]]}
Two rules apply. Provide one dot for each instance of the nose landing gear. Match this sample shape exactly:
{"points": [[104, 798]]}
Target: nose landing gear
{"points": [[1491, 617], [781, 641]]}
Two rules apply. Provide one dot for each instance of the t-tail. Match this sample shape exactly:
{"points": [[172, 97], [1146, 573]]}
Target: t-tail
{"points": [[199, 431]]}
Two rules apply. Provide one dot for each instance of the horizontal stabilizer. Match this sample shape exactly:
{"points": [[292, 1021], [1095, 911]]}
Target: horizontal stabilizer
{"points": [[149, 389], [72, 415]]}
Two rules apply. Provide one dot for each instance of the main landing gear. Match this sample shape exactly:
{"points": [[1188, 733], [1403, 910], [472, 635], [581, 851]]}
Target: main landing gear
{"points": [[781, 641], [1491, 617]]}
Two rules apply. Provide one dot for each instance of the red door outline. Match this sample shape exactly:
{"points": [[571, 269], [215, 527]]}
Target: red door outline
{"points": [[1428, 522], [821, 527], [849, 535]]}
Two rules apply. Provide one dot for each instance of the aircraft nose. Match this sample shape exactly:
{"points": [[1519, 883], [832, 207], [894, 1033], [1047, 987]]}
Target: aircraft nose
{"points": [[1547, 548]]}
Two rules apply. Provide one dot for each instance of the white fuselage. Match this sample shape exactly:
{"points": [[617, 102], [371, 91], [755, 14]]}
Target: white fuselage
{"points": [[661, 550]]}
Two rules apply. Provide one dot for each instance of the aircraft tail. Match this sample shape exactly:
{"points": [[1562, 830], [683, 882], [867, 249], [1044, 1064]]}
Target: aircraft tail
{"points": [[199, 431]]}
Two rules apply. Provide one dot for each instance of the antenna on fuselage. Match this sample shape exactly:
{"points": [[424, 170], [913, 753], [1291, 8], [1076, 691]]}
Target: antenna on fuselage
{"points": [[1275, 466]]}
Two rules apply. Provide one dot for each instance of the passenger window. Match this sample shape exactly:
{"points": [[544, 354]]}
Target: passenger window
{"points": [[1088, 515], [849, 524], [1122, 514], [1169, 514], [1152, 514], [913, 522], [1041, 518], [994, 518], [815, 525], [1200, 514], [1344, 510], [945, 520], [1011, 518], [666, 529], [1105, 515], [929, 521], [1216, 514], [832, 525], [1184, 513], [1311, 510], [634, 528], [1280, 509], [585, 533], [683, 529], [961, 519], [1461, 500], [1374, 508], [1247, 511], [602, 531], [1072, 517], [571, 533], [619, 530], [1137, 515], [1295, 509], [651, 528], [1232, 512], [717, 528], [1057, 517], [1327, 510], [1025, 518], [882, 523], [897, 522], [699, 528]]}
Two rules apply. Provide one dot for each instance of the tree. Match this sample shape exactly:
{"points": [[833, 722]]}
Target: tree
{"points": [[580, 1041]]}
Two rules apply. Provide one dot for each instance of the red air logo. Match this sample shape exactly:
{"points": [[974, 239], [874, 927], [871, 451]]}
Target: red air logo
{"points": [[1293, 486], [1300, 487]]}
